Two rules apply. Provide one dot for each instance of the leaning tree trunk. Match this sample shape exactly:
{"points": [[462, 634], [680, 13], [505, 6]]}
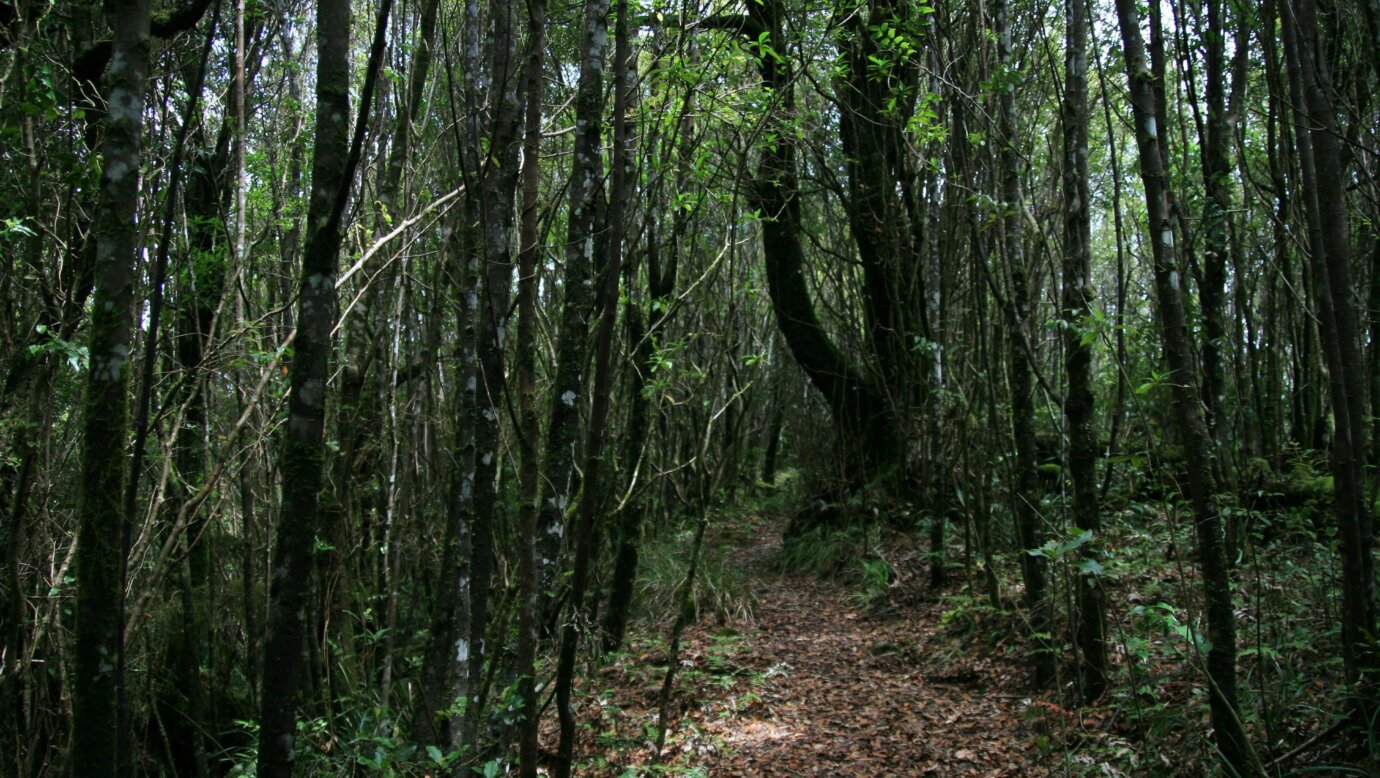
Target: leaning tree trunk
{"points": [[872, 118], [102, 519], [859, 411], [1144, 82]]}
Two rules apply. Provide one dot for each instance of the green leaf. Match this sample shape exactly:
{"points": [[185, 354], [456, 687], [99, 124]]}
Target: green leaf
{"points": [[1090, 567]]}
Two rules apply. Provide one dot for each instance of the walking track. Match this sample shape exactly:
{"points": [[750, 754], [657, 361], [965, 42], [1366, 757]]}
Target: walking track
{"points": [[816, 685]]}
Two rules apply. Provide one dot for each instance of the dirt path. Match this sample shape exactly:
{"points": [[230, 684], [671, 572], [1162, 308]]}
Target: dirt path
{"points": [[817, 686]]}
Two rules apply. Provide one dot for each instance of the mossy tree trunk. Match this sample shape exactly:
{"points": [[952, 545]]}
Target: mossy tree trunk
{"points": [[102, 519], [302, 453]]}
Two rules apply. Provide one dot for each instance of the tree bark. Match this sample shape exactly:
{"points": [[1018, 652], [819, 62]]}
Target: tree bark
{"points": [[529, 425], [102, 517], [1028, 521], [1330, 256], [875, 102], [1090, 619], [577, 284], [641, 334], [860, 413], [499, 171], [1150, 126], [592, 490], [302, 456]]}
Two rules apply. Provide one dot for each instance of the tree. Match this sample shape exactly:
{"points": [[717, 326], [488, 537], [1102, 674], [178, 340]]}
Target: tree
{"points": [[1145, 80], [583, 238], [1028, 522], [103, 534], [529, 426], [860, 414], [1090, 622], [606, 304], [302, 455], [1330, 259]]}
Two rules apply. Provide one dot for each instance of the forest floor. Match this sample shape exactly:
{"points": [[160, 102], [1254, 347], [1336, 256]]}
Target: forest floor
{"points": [[819, 682]]}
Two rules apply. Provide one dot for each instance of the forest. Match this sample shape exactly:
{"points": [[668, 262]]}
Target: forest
{"points": [[689, 387]]}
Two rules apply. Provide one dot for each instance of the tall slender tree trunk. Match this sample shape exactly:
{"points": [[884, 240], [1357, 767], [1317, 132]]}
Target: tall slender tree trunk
{"points": [[641, 334], [451, 624], [529, 425], [499, 171], [98, 681], [1090, 619], [204, 275], [1219, 250], [1330, 257], [577, 284], [1028, 521], [302, 456], [1150, 128], [592, 489]]}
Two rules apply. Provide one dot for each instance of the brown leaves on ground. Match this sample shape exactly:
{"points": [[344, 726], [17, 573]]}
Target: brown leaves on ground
{"points": [[815, 686]]}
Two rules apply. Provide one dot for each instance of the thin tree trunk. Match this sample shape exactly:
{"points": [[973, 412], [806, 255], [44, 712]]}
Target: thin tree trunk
{"points": [[1229, 733], [302, 456], [592, 490], [1090, 621], [1330, 248], [500, 177], [1114, 162], [98, 681], [661, 283], [529, 426], [1028, 520], [1216, 171], [452, 620], [582, 235]]}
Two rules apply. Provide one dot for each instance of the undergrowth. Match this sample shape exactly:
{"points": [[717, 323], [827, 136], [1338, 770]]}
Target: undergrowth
{"points": [[1153, 720], [719, 587]]}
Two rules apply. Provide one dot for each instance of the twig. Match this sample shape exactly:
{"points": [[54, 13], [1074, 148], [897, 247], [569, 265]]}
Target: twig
{"points": [[1310, 742]]}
